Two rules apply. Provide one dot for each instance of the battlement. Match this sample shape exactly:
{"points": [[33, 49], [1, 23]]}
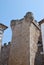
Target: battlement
{"points": [[5, 50], [6, 44], [28, 18]]}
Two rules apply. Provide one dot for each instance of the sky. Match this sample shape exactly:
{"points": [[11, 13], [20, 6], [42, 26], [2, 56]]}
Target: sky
{"points": [[16, 9]]}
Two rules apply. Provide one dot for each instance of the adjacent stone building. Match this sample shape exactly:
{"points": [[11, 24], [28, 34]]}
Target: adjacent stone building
{"points": [[2, 28], [5, 50], [26, 44]]}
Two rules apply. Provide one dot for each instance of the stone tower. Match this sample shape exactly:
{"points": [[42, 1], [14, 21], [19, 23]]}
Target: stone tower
{"points": [[25, 36], [2, 28]]}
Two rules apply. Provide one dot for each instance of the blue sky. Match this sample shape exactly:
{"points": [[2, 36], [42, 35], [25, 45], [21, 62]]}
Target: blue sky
{"points": [[16, 9]]}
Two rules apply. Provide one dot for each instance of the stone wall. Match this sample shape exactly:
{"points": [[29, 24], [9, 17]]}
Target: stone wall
{"points": [[19, 54], [5, 50], [34, 38], [25, 34], [26, 44]]}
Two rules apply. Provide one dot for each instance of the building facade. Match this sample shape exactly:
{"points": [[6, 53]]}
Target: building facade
{"points": [[26, 45]]}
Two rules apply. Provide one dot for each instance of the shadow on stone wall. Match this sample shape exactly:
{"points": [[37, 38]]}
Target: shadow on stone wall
{"points": [[38, 57]]}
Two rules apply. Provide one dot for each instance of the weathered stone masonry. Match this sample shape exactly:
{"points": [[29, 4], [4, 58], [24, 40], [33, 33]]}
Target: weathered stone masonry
{"points": [[26, 44], [25, 36], [5, 50]]}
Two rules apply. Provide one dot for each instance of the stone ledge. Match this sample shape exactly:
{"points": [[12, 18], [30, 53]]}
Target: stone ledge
{"points": [[3, 26], [36, 25], [42, 21]]}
